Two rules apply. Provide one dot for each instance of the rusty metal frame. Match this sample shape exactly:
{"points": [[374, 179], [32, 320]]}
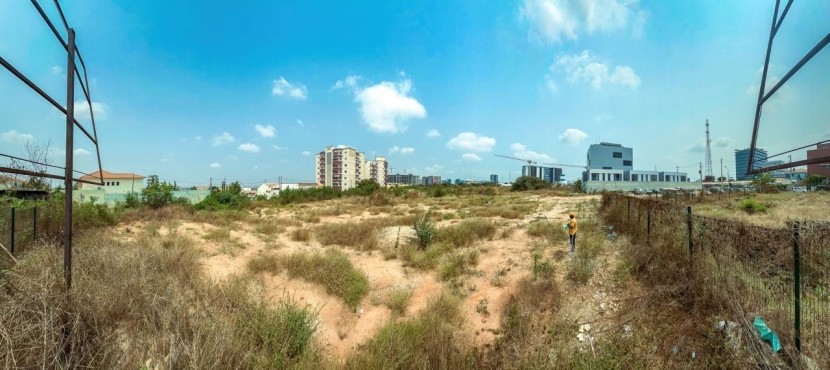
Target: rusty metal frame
{"points": [[71, 124], [763, 97]]}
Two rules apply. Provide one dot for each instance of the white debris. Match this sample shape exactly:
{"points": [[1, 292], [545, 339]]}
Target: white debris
{"points": [[584, 328]]}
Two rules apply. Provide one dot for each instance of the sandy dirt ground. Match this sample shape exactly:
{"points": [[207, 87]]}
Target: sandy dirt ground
{"points": [[343, 330]]}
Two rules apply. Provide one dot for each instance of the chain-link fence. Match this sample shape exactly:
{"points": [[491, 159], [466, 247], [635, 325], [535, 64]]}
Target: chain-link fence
{"points": [[781, 275]]}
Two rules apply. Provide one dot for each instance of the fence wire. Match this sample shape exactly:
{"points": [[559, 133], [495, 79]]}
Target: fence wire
{"points": [[745, 269]]}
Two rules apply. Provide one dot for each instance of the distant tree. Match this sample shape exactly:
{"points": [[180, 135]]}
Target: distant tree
{"points": [[367, 187], [529, 183], [37, 160], [157, 194], [813, 180], [764, 182], [577, 186], [235, 188]]}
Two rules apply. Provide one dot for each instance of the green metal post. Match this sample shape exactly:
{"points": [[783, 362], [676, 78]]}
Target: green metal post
{"points": [[689, 222], [12, 232], [797, 286], [34, 223]]}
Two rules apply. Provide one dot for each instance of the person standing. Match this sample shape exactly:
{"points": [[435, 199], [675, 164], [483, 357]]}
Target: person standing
{"points": [[572, 228]]}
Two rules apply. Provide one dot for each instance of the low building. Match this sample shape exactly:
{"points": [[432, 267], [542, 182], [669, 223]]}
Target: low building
{"points": [[669, 176], [268, 189], [642, 176], [114, 182]]}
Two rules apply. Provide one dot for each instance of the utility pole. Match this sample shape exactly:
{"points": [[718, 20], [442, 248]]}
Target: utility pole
{"points": [[721, 167]]}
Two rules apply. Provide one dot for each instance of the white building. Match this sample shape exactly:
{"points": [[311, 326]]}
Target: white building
{"points": [[268, 189], [343, 167], [114, 183]]}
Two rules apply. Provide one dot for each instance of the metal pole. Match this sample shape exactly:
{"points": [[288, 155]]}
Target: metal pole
{"points": [[648, 225], [12, 232], [67, 202], [797, 286], [34, 223], [689, 223]]}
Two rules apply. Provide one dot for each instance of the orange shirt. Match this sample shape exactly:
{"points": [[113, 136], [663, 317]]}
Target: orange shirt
{"points": [[572, 227]]}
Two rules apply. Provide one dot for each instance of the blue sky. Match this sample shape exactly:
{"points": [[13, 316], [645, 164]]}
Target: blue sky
{"points": [[247, 90]]}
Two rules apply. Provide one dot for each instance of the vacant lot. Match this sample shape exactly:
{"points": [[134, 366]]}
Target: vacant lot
{"points": [[408, 281], [777, 208]]}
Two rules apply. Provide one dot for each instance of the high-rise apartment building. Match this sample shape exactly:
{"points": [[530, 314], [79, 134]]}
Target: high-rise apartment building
{"points": [[343, 167]]}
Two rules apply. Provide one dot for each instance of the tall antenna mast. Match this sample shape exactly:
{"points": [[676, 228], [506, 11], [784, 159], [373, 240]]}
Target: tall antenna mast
{"points": [[708, 153]]}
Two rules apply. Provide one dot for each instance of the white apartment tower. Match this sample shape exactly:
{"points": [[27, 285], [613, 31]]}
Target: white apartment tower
{"points": [[343, 167]]}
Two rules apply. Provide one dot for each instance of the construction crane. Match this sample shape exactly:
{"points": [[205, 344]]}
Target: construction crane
{"points": [[565, 165], [529, 162]]}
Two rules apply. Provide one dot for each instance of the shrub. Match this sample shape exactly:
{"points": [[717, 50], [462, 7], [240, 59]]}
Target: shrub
{"points": [[529, 183], [332, 270], [465, 233], [545, 229], [398, 299], [157, 194], [425, 230], [300, 235], [359, 235], [429, 341], [750, 205]]}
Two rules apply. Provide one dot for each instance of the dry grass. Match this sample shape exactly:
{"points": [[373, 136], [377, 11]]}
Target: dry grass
{"points": [[779, 208], [360, 235], [145, 302], [300, 235], [467, 232], [332, 270]]}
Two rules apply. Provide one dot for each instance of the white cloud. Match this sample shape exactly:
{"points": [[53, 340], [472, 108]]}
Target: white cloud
{"points": [[552, 20], [520, 151], [434, 168], [198, 137], [224, 138], [81, 151], [471, 157], [723, 142], [13, 136], [573, 136], [470, 141], [284, 88], [306, 153], [256, 167], [248, 147], [98, 108], [215, 165], [277, 147], [56, 70], [585, 67], [433, 133], [404, 150], [300, 122], [386, 106], [266, 131], [700, 145], [348, 82], [551, 84]]}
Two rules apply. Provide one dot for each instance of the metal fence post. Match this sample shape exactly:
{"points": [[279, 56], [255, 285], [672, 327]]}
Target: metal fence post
{"points": [[12, 232], [34, 223], [648, 225], [797, 286], [689, 222], [629, 209]]}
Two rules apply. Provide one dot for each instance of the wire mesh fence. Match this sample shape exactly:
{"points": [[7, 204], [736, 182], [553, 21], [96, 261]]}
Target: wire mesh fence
{"points": [[781, 275]]}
